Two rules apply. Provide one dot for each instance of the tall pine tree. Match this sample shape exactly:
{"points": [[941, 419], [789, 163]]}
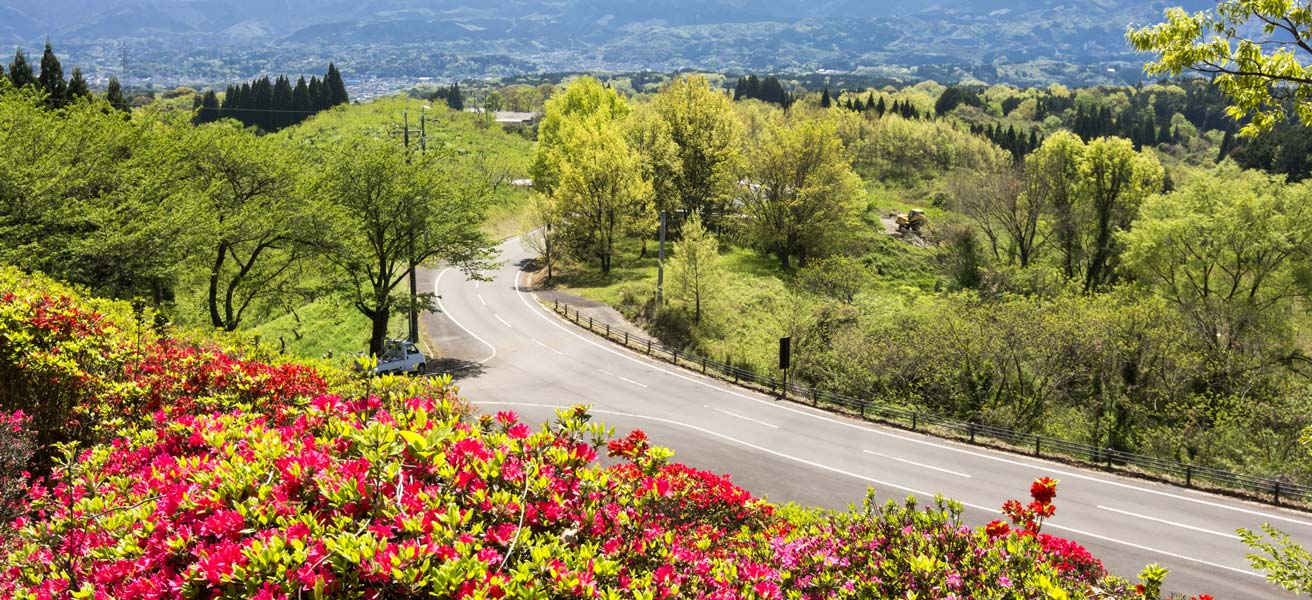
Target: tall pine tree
{"points": [[209, 108], [77, 86], [114, 95], [825, 101], [336, 87], [20, 73], [52, 78], [301, 102]]}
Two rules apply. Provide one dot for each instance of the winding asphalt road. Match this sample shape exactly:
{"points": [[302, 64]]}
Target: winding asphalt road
{"points": [[510, 353]]}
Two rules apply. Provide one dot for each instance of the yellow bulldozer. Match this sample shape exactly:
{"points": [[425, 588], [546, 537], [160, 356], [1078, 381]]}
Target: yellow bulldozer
{"points": [[914, 221]]}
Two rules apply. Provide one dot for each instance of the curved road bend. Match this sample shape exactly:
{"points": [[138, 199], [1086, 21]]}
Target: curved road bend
{"points": [[510, 353]]}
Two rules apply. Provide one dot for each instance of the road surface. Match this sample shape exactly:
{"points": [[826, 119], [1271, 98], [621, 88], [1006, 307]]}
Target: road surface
{"points": [[510, 353]]}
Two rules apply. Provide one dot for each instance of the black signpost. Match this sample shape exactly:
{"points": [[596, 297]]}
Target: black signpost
{"points": [[785, 361]]}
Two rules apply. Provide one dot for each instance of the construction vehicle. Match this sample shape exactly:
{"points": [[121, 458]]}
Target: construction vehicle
{"points": [[914, 221]]}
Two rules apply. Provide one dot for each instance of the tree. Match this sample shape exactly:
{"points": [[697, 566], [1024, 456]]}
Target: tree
{"points": [[20, 72], [602, 195], [52, 78], [114, 95], [585, 98], [1116, 179], [705, 127], [77, 86], [336, 88], [838, 277], [1229, 250], [695, 272], [1261, 76], [1052, 179], [825, 101], [392, 210], [256, 224], [801, 195], [209, 108], [1009, 217], [650, 136], [1287, 564]]}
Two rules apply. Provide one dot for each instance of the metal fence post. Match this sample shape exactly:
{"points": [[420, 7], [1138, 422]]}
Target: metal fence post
{"points": [[1108, 451], [557, 304], [1038, 441], [703, 365], [972, 432], [589, 323], [1188, 476], [1277, 494], [676, 357], [608, 331], [915, 416], [626, 339], [648, 346]]}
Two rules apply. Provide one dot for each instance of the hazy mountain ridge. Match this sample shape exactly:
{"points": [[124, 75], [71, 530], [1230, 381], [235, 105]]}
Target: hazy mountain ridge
{"points": [[585, 34]]}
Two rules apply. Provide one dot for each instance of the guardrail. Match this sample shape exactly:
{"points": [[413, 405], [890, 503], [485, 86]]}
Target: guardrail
{"points": [[1189, 475]]}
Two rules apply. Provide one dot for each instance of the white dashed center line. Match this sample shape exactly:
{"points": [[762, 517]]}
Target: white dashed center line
{"points": [[622, 378], [742, 417], [549, 347], [503, 321], [1172, 523], [916, 464]]}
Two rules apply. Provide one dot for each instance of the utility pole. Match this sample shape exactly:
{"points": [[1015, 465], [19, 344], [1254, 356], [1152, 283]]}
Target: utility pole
{"points": [[414, 286], [660, 266]]}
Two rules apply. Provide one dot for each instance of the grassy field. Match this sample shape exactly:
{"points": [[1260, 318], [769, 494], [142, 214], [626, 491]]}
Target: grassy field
{"points": [[323, 326], [757, 302]]}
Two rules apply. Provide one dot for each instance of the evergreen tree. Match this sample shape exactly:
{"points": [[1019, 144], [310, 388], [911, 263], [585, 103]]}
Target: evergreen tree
{"points": [[114, 95], [825, 102], [881, 108], [77, 86], [753, 87], [1164, 136], [740, 89], [773, 91], [282, 102], [457, 98], [1227, 144], [318, 95], [870, 101], [52, 78], [20, 73], [301, 101], [209, 108], [336, 87]]}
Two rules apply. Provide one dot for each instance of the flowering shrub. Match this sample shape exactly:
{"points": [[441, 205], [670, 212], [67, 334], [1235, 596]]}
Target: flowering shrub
{"points": [[211, 474], [17, 445]]}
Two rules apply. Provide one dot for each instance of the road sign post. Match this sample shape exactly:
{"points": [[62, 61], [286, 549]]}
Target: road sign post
{"points": [[785, 361]]}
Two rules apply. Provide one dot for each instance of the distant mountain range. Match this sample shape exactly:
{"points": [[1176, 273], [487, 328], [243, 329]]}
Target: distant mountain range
{"points": [[184, 40]]}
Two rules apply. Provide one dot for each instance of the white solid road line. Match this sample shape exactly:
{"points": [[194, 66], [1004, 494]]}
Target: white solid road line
{"points": [[480, 299], [436, 285], [535, 341], [1171, 523], [742, 417], [503, 321], [922, 494], [1047, 469], [916, 464], [622, 378]]}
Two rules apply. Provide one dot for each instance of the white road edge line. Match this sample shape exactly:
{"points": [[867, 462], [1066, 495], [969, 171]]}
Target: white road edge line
{"points": [[1171, 523], [1042, 468], [436, 285], [622, 378], [921, 465], [742, 417], [503, 321], [920, 493], [480, 299], [535, 341]]}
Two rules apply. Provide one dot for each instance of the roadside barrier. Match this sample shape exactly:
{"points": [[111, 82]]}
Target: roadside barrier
{"points": [[1273, 491]]}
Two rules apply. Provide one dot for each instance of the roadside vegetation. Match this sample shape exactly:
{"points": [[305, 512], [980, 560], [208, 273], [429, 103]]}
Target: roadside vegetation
{"points": [[207, 467]]}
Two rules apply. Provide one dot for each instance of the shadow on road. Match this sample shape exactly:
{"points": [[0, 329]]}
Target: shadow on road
{"points": [[459, 369]]}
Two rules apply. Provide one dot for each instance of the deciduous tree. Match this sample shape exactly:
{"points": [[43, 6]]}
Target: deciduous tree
{"points": [[706, 131], [801, 195], [1261, 74], [695, 272]]}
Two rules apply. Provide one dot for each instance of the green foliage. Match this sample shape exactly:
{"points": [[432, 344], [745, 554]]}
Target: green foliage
{"points": [[704, 129], [1229, 250], [696, 277], [801, 196], [1287, 564], [1264, 77], [584, 98], [838, 277], [392, 210]]}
